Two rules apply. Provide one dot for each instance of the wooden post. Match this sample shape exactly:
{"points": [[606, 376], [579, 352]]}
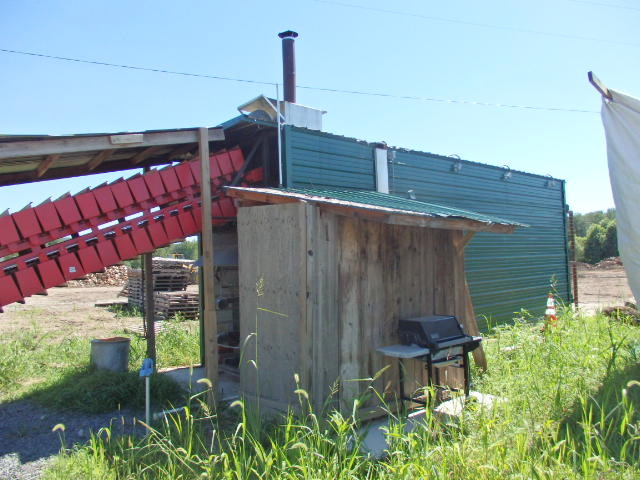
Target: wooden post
{"points": [[207, 269], [149, 303], [469, 318], [573, 259], [471, 325], [149, 306]]}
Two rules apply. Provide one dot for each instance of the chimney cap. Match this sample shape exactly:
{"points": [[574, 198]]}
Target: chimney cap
{"points": [[288, 34]]}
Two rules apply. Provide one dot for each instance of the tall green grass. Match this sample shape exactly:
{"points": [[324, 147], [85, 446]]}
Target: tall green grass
{"points": [[569, 410], [55, 371]]}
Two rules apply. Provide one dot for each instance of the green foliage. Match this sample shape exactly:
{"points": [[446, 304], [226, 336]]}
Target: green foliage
{"points": [[569, 411], [179, 343], [582, 221], [601, 238], [593, 243], [610, 242], [102, 391], [125, 311], [33, 364], [580, 241]]}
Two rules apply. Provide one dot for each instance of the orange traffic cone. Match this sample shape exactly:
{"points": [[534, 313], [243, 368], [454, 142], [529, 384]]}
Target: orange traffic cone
{"points": [[550, 312]]}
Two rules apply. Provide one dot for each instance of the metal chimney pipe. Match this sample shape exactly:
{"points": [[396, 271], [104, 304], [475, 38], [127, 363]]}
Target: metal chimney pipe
{"points": [[289, 65]]}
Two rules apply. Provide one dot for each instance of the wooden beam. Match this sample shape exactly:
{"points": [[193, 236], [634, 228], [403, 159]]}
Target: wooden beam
{"points": [[46, 165], [75, 171], [471, 325], [464, 240], [250, 203], [144, 154], [207, 270], [598, 85], [260, 197], [89, 143], [99, 158]]}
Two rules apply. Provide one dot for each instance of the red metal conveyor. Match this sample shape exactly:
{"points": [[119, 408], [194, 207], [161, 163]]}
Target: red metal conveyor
{"points": [[152, 210]]}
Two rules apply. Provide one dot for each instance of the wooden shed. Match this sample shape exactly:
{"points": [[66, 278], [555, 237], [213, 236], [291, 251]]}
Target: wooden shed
{"points": [[325, 275]]}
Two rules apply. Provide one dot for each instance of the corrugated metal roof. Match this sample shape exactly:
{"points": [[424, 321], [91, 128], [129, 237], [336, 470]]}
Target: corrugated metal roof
{"points": [[381, 202]]}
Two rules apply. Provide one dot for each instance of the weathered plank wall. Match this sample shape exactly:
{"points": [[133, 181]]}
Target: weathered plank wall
{"points": [[343, 284], [272, 263]]}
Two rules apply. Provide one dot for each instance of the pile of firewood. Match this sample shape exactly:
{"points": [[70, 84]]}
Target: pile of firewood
{"points": [[114, 276]]}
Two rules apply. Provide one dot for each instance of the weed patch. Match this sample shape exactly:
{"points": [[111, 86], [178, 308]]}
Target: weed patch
{"points": [[570, 410]]}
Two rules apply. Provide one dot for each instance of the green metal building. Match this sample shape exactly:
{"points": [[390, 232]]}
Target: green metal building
{"points": [[506, 273]]}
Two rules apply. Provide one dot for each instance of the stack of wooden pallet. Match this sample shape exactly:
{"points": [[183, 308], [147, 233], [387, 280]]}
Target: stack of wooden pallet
{"points": [[170, 304], [169, 275]]}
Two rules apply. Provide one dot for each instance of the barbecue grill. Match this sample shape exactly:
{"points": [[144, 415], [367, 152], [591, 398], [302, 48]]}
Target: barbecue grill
{"points": [[438, 341]]}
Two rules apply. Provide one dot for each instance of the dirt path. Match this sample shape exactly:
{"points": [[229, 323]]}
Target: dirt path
{"points": [[602, 287], [68, 309]]}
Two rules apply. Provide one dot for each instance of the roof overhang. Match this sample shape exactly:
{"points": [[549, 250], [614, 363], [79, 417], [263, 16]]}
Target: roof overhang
{"points": [[25, 159], [377, 211]]}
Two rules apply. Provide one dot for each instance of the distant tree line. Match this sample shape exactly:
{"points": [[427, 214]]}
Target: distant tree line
{"points": [[596, 235]]}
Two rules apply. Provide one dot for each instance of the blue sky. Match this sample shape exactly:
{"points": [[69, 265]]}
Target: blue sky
{"points": [[533, 53]]}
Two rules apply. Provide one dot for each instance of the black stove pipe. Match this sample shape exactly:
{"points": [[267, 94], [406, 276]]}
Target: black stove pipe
{"points": [[289, 65]]}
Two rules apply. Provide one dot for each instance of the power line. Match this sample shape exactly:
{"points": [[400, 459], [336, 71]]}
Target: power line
{"points": [[131, 67], [608, 5], [306, 87], [474, 24], [444, 100]]}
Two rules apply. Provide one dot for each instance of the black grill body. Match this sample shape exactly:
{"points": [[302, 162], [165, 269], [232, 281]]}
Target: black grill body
{"points": [[435, 332], [448, 344]]}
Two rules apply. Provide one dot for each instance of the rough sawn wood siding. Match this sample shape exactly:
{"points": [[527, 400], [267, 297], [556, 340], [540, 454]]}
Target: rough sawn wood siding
{"points": [[342, 284]]}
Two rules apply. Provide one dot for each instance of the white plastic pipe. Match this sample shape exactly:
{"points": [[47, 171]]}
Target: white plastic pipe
{"points": [[147, 406]]}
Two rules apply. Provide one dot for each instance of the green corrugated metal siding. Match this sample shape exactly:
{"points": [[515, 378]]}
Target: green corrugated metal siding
{"points": [[317, 159], [506, 272]]}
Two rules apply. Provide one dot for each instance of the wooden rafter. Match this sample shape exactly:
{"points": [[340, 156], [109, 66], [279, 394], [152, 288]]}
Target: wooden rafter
{"points": [[46, 165], [98, 159], [144, 154], [181, 150]]}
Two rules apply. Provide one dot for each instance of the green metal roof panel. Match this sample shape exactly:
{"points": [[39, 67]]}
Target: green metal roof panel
{"points": [[405, 205]]}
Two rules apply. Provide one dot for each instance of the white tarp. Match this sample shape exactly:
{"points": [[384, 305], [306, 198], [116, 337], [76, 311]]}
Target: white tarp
{"points": [[621, 118]]}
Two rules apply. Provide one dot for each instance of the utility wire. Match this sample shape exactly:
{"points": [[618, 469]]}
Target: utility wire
{"points": [[131, 67], [609, 5], [474, 24], [306, 87], [443, 100]]}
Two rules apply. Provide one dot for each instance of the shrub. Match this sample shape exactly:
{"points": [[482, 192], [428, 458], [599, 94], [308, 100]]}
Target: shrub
{"points": [[593, 244]]}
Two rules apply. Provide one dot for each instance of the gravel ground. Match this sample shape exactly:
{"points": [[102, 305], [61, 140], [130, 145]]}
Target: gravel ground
{"points": [[27, 442]]}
